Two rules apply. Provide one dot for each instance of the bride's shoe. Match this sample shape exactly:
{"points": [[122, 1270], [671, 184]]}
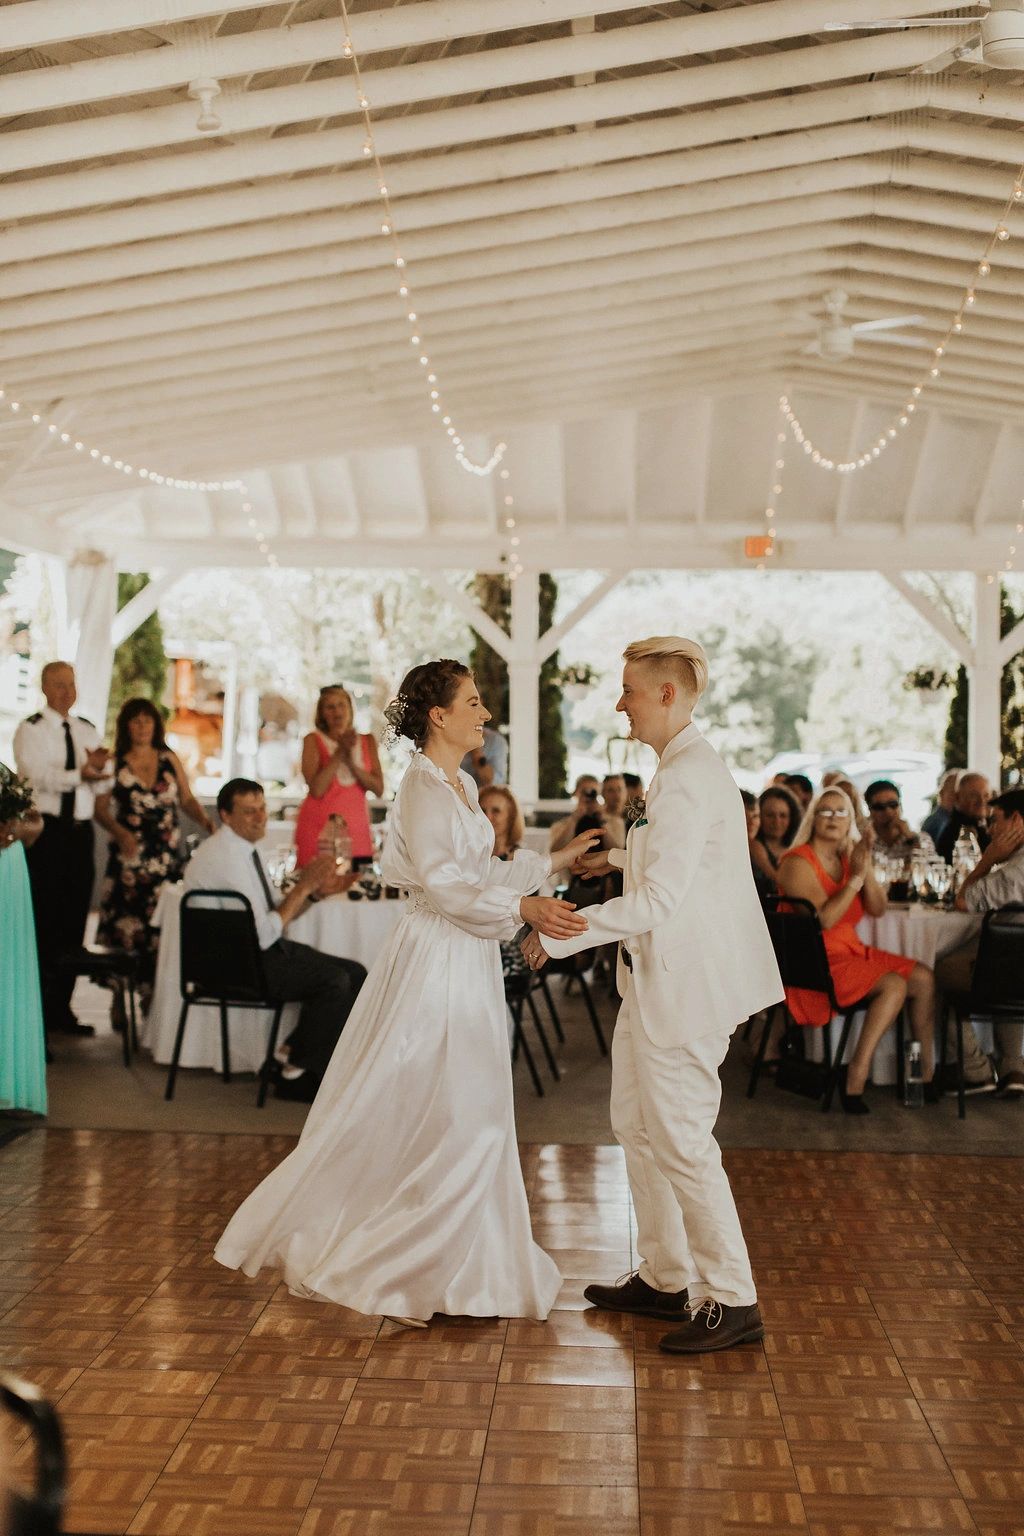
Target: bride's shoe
{"points": [[404, 1322]]}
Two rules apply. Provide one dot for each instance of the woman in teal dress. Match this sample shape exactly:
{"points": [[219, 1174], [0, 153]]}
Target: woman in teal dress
{"points": [[22, 1045]]}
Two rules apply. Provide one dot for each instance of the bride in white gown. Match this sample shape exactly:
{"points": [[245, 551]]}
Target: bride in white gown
{"points": [[404, 1195]]}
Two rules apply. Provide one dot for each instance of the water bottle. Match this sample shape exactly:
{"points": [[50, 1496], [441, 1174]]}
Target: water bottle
{"points": [[913, 1082], [341, 844]]}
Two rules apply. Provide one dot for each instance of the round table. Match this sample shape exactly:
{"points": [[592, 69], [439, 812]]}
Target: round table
{"points": [[357, 930]]}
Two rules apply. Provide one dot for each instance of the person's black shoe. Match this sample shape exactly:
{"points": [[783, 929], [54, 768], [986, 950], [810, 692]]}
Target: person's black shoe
{"points": [[714, 1326], [853, 1103], [636, 1296], [302, 1090], [71, 1026]]}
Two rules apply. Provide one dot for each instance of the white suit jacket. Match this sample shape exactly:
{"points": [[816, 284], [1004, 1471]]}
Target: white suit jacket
{"points": [[689, 914]]}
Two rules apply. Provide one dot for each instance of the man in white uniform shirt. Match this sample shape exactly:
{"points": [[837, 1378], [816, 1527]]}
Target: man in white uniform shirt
{"points": [[325, 985], [695, 960], [65, 761]]}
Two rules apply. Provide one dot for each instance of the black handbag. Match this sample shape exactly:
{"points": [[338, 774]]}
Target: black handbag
{"points": [[795, 1074]]}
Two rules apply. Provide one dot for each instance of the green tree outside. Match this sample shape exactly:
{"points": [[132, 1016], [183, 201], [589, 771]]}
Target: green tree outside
{"points": [[140, 662], [1012, 706]]}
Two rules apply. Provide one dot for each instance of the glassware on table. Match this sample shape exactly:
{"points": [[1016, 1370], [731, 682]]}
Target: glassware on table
{"points": [[940, 878], [899, 879]]}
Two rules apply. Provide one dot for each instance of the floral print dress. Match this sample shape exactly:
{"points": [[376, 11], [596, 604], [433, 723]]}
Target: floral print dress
{"points": [[131, 888]]}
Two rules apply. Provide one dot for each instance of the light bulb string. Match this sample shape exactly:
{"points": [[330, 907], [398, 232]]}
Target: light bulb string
{"points": [[389, 231], [902, 416]]}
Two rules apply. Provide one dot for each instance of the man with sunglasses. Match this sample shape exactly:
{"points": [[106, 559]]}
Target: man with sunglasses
{"points": [[892, 831]]}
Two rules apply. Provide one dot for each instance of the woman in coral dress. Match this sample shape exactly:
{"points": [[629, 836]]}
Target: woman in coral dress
{"points": [[827, 868], [405, 1195], [341, 768]]}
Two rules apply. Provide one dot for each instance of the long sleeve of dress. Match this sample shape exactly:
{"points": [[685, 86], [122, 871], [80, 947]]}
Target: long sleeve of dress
{"points": [[475, 899], [525, 872]]}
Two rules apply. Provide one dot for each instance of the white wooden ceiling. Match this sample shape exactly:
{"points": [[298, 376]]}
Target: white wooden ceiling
{"points": [[619, 221]]}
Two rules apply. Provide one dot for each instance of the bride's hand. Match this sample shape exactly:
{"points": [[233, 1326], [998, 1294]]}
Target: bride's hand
{"points": [[555, 919], [581, 844]]}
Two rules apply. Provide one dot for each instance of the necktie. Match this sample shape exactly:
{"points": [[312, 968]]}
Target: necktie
{"points": [[271, 904], [67, 799]]}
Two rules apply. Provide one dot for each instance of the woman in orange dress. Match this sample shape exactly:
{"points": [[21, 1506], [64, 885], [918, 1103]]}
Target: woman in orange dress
{"points": [[827, 868], [341, 769]]}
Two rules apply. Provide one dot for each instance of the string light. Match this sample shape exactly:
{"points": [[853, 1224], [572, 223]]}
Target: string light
{"points": [[511, 559], [902, 418], [389, 232]]}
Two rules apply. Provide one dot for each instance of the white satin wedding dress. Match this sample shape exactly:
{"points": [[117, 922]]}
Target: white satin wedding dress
{"points": [[404, 1195]]}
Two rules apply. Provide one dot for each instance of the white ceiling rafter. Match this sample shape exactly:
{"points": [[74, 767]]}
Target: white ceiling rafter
{"points": [[621, 219]]}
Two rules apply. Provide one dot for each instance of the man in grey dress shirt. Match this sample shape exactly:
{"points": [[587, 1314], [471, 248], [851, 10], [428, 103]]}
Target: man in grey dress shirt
{"points": [[325, 985], [65, 761], [996, 880]]}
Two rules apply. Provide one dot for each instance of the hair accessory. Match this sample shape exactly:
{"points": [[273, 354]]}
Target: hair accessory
{"points": [[394, 714]]}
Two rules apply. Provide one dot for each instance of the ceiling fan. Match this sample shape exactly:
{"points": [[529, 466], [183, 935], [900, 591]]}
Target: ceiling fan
{"points": [[995, 40], [836, 337]]}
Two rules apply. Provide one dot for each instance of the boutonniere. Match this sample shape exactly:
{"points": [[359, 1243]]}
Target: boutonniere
{"points": [[635, 813]]}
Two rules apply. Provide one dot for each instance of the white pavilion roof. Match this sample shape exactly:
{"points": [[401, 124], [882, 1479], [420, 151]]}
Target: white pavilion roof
{"points": [[619, 221]]}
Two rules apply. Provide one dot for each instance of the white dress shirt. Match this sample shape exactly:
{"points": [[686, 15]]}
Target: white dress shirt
{"points": [[1003, 884], [225, 863], [40, 748]]}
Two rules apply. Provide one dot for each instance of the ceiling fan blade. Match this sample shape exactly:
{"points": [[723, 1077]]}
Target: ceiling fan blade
{"points": [[967, 52], [903, 25], [893, 323], [893, 339]]}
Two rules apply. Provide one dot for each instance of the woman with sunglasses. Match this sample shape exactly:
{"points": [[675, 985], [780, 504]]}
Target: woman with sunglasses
{"points": [[826, 867], [341, 768]]}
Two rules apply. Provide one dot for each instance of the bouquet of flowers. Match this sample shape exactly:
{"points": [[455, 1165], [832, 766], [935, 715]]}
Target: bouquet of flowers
{"points": [[15, 796]]}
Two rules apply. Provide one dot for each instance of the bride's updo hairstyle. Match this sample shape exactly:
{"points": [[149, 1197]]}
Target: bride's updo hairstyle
{"points": [[432, 685]]}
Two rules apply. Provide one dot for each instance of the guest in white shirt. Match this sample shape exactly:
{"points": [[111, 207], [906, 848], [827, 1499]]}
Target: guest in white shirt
{"points": [[326, 985], [65, 761], [996, 880]]}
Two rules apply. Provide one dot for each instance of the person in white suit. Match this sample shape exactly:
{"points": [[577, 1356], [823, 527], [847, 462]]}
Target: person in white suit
{"points": [[695, 959]]}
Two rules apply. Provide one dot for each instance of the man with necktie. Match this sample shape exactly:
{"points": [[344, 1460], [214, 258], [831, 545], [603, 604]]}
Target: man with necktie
{"points": [[325, 985], [65, 761]]}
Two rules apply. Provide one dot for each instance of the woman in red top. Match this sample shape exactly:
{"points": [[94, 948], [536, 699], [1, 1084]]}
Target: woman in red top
{"points": [[827, 868], [341, 769]]}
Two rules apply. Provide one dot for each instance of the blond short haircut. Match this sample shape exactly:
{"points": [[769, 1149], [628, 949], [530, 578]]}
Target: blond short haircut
{"points": [[675, 659]]}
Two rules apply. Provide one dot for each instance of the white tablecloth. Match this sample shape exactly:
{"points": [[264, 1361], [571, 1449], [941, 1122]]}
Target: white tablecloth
{"points": [[358, 930], [925, 934]]}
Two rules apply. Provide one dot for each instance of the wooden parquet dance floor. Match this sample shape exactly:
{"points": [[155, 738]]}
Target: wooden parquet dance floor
{"points": [[887, 1397]]}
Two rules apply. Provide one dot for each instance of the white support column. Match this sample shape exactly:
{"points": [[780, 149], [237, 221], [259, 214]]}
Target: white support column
{"points": [[984, 703], [87, 638], [143, 605], [524, 687]]}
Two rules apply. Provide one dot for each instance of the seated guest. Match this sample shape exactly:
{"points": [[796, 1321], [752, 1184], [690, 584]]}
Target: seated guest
{"points": [[780, 817], [341, 768], [325, 985], [588, 815], [827, 868], [970, 808], [488, 764], [22, 1043], [614, 794], [891, 830], [764, 880], [501, 808], [938, 820], [800, 785], [64, 760], [997, 880], [140, 812]]}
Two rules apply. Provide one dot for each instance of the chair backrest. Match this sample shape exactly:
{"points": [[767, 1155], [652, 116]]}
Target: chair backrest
{"points": [[220, 953], [795, 931], [997, 985]]}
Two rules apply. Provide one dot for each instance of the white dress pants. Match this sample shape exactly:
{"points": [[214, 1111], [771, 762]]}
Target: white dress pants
{"points": [[664, 1104]]}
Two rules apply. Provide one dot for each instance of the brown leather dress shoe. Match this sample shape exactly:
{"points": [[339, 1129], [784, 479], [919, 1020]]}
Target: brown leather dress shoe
{"points": [[636, 1296], [714, 1326]]}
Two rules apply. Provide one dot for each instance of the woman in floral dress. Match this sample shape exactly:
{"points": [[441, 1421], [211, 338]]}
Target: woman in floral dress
{"points": [[141, 815]]}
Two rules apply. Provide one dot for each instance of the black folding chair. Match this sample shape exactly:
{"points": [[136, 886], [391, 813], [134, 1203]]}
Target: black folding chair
{"points": [[222, 966], [40, 1513], [519, 990], [997, 984], [117, 969], [795, 931]]}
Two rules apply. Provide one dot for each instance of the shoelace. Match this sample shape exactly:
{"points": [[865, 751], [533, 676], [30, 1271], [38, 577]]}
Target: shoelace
{"points": [[711, 1307]]}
